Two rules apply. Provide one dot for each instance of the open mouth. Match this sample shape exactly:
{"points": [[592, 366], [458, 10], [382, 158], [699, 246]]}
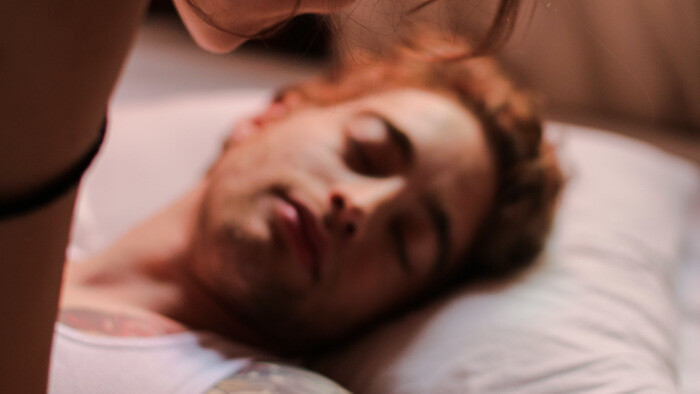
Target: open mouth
{"points": [[301, 229]]}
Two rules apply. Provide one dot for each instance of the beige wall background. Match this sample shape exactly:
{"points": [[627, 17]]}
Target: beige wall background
{"points": [[632, 61]]}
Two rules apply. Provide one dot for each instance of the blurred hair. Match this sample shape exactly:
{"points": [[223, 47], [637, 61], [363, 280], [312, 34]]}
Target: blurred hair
{"points": [[529, 178]]}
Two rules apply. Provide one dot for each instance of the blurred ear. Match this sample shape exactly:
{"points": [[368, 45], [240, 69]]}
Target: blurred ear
{"points": [[241, 130], [281, 106]]}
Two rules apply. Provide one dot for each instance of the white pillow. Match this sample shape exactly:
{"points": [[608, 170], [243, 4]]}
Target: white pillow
{"points": [[688, 277], [596, 314]]}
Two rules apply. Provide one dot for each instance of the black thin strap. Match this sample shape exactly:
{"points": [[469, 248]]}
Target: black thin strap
{"points": [[53, 189]]}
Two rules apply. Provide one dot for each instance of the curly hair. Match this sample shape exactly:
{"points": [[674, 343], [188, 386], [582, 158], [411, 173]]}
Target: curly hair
{"points": [[528, 175]]}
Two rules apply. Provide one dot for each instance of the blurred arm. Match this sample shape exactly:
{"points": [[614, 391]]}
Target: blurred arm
{"points": [[59, 61]]}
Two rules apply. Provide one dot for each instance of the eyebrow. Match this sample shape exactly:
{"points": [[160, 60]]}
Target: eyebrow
{"points": [[441, 223], [397, 135]]}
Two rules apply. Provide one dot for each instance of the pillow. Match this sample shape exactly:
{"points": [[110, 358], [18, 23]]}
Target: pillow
{"points": [[688, 277], [595, 314]]}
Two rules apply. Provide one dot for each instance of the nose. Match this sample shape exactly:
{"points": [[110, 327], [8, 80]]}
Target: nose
{"points": [[350, 204]]}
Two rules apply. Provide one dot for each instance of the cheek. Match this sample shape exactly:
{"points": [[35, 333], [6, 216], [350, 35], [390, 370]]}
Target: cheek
{"points": [[370, 280], [308, 150], [422, 248], [476, 200]]}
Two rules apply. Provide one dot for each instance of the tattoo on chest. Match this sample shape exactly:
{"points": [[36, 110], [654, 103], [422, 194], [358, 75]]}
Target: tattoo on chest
{"points": [[117, 324]]}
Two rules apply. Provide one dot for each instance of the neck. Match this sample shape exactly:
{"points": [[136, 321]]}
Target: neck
{"points": [[146, 273]]}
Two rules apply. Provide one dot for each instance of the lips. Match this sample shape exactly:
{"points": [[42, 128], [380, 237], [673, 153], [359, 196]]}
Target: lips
{"points": [[301, 229]]}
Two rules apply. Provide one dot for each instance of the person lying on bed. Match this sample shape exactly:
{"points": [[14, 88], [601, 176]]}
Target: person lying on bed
{"points": [[349, 198]]}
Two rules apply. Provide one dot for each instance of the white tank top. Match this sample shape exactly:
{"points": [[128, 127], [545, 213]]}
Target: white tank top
{"points": [[188, 362], [183, 363]]}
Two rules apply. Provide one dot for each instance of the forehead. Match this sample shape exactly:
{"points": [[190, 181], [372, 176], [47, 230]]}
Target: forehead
{"points": [[421, 111], [424, 114], [431, 120]]}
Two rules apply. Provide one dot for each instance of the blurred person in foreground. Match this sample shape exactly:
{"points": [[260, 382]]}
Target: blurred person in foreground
{"points": [[352, 196], [60, 67]]}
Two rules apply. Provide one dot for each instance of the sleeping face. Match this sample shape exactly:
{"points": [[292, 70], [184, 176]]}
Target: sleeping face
{"points": [[330, 217]]}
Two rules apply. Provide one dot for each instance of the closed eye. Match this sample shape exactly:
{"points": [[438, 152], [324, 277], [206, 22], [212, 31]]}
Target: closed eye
{"points": [[375, 147], [399, 138]]}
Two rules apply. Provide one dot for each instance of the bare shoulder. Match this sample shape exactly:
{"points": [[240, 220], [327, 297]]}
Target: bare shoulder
{"points": [[267, 377], [116, 323]]}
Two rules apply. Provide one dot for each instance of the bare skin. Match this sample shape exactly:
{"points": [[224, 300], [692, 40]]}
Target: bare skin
{"points": [[143, 281]]}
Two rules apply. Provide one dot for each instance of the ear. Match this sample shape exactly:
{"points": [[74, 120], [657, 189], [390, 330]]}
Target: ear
{"points": [[280, 107]]}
